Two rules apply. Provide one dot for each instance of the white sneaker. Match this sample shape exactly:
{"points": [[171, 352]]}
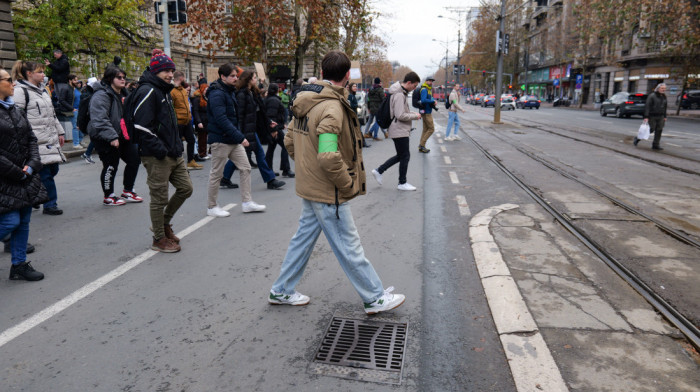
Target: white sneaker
{"points": [[296, 299], [386, 302], [456, 137], [449, 138], [406, 187], [251, 206], [377, 176], [218, 212]]}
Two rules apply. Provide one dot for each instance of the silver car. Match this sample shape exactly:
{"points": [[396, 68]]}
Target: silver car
{"points": [[362, 108]]}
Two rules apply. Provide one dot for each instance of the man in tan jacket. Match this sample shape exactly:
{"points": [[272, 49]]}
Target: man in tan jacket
{"points": [[181, 103], [400, 129], [325, 143]]}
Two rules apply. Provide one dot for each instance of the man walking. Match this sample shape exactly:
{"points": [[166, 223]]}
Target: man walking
{"points": [[453, 116], [400, 130], [181, 102], [330, 172], [161, 149], [655, 115], [375, 96], [426, 98]]}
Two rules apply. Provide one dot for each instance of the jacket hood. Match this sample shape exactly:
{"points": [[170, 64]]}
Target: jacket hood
{"points": [[39, 89], [396, 88], [148, 78], [311, 94]]}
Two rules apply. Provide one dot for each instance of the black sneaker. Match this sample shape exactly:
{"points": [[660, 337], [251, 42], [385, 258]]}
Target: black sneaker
{"points": [[275, 184], [25, 271], [197, 158], [30, 247], [226, 183], [423, 149], [52, 211], [657, 148], [288, 173], [636, 141]]}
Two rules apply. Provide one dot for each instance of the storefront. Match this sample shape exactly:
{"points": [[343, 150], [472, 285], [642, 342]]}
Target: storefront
{"points": [[633, 85], [654, 76], [618, 79]]}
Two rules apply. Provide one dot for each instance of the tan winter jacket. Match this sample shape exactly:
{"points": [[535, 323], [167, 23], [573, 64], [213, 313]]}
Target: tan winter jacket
{"points": [[329, 177], [182, 105], [454, 99], [43, 120], [401, 126]]}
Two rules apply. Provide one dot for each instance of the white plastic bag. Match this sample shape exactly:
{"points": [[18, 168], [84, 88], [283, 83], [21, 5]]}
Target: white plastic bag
{"points": [[643, 133]]}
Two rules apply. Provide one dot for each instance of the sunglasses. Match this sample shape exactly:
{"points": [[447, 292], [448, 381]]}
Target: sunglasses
{"points": [[120, 77], [8, 79]]}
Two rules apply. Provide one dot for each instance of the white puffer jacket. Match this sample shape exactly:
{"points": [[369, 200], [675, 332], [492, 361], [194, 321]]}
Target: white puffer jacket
{"points": [[43, 120]]}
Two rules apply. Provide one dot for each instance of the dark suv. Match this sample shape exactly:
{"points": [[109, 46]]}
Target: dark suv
{"points": [[691, 100], [624, 105]]}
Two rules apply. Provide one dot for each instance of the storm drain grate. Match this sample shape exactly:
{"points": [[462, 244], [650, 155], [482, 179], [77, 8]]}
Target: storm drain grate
{"points": [[368, 350]]}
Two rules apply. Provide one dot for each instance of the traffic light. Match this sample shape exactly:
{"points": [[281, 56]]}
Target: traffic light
{"points": [[483, 73], [177, 12], [468, 69], [510, 86]]}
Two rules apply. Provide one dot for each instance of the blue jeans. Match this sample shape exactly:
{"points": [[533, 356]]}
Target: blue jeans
{"points": [[453, 119], [344, 240], [370, 120], [16, 224], [267, 173], [47, 173], [77, 135]]}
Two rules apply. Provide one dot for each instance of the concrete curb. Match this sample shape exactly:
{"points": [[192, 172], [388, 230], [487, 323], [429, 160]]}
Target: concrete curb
{"points": [[529, 358]]}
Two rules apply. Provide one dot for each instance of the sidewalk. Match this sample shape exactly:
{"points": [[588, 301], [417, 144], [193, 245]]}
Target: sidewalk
{"points": [[684, 113]]}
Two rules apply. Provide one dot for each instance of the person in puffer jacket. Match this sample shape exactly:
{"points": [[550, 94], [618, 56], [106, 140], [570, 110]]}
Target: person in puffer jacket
{"points": [[32, 97], [325, 142]]}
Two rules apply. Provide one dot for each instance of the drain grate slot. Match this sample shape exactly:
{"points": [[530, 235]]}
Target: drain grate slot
{"points": [[362, 349]]}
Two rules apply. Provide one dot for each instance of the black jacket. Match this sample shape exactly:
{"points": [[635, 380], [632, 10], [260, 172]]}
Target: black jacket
{"points": [[199, 113], [352, 98], [60, 69], [375, 98], [251, 117], [275, 111], [18, 147], [222, 112], [154, 118], [656, 105], [106, 112]]}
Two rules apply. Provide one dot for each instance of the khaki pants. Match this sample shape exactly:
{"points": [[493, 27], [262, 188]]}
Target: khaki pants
{"points": [[220, 153], [160, 173], [428, 128]]}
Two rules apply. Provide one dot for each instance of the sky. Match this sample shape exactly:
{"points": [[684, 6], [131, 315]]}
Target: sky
{"points": [[412, 45]]}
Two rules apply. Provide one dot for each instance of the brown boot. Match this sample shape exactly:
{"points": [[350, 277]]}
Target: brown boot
{"points": [[169, 234], [165, 245]]}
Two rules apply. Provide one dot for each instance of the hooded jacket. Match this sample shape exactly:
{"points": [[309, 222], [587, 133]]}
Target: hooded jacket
{"points": [[275, 111], [327, 177], [106, 112], [18, 148], [60, 69], [426, 97], [400, 111], [154, 118], [181, 103], [222, 113], [251, 116], [375, 97], [43, 120]]}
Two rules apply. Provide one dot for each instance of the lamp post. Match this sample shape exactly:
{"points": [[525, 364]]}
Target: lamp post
{"points": [[499, 68]]}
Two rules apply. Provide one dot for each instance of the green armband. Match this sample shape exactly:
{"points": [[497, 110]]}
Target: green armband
{"points": [[327, 142]]}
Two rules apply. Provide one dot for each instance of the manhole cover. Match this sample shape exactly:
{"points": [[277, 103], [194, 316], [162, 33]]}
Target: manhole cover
{"points": [[362, 349]]}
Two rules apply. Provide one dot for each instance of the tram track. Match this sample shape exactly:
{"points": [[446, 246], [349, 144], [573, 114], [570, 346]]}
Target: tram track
{"points": [[676, 318]]}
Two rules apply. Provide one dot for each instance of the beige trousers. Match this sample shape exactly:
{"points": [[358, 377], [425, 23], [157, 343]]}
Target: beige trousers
{"points": [[220, 153], [428, 128]]}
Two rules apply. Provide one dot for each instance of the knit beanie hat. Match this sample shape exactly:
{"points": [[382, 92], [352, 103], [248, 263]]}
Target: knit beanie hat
{"points": [[160, 61], [377, 81]]}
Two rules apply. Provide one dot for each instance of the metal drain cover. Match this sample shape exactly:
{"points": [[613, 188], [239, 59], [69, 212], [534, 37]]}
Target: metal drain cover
{"points": [[367, 349]]}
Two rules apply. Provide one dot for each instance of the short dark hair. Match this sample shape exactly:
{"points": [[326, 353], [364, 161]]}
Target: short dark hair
{"points": [[71, 77], [411, 77], [335, 65], [273, 89], [111, 72], [178, 74], [226, 69]]}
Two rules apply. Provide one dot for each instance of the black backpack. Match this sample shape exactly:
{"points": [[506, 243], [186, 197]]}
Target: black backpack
{"points": [[384, 117], [84, 110], [448, 104], [415, 101]]}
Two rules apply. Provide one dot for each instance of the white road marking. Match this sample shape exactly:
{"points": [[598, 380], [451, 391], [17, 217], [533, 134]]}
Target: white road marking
{"points": [[530, 360], [439, 140], [448, 161], [443, 148], [463, 206], [453, 177], [11, 333], [674, 145]]}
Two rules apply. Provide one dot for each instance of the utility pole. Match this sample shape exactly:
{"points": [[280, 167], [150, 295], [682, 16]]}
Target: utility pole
{"points": [[459, 11], [499, 69], [163, 9], [445, 66]]}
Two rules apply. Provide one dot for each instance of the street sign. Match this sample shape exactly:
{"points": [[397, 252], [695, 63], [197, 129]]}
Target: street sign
{"points": [[555, 82], [579, 82]]}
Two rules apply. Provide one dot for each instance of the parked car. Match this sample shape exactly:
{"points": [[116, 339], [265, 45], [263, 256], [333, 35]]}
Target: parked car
{"points": [[477, 99], [488, 100], [528, 101], [507, 103], [691, 100], [624, 104], [362, 108]]}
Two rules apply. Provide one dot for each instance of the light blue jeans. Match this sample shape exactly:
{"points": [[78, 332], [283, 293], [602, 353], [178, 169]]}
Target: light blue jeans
{"points": [[452, 119], [344, 240], [77, 135]]}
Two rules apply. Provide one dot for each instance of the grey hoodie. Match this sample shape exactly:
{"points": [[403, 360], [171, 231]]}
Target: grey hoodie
{"points": [[400, 112]]}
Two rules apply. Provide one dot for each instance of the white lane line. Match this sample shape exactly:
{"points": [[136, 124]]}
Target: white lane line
{"points": [[448, 161], [463, 206], [674, 145], [11, 333], [454, 178], [530, 360], [443, 148], [439, 140]]}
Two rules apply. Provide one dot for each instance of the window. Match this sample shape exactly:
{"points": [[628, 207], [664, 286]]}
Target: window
{"points": [[204, 68], [188, 70]]}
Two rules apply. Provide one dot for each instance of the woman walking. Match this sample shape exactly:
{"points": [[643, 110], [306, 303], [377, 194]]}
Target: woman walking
{"points": [[32, 96], [20, 185]]}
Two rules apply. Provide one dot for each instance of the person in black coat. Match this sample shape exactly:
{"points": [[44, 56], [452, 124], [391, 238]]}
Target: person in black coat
{"points": [[199, 114], [20, 185], [275, 111]]}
